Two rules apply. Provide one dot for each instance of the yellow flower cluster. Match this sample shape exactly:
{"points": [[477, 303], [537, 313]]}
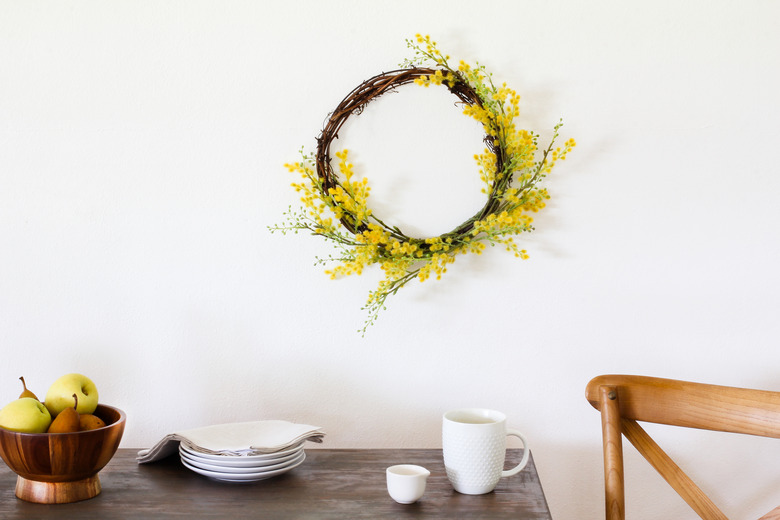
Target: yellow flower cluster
{"points": [[350, 198], [431, 51], [346, 201], [512, 190], [485, 117], [500, 227], [436, 79], [559, 154], [311, 197], [487, 168], [436, 265], [374, 235]]}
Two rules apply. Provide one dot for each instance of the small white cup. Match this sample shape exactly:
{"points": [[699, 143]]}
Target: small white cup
{"points": [[406, 482], [474, 449]]}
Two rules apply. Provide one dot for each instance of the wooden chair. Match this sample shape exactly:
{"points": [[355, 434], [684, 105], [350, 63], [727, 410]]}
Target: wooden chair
{"points": [[623, 400]]}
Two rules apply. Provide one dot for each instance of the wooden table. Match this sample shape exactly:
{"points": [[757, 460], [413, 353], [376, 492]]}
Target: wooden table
{"points": [[330, 484]]}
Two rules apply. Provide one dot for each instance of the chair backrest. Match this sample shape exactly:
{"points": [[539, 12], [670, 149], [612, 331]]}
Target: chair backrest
{"points": [[624, 399]]}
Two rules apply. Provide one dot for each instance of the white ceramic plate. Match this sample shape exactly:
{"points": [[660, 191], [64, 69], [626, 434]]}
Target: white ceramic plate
{"points": [[260, 466], [237, 462], [261, 456], [246, 477]]}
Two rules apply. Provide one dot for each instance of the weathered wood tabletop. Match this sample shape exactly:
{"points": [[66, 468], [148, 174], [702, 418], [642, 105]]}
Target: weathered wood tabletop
{"points": [[337, 484]]}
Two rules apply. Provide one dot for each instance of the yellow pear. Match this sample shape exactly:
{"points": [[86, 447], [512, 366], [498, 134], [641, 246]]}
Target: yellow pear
{"points": [[87, 421], [27, 393], [67, 420]]}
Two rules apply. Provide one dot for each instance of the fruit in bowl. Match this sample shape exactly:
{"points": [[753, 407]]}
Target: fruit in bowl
{"points": [[25, 415], [60, 394], [59, 467]]}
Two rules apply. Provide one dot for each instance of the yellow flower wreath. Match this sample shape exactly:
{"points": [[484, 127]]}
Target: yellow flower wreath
{"points": [[511, 167]]}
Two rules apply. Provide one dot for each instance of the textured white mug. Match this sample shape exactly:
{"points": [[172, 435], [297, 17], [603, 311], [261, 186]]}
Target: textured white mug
{"points": [[474, 448]]}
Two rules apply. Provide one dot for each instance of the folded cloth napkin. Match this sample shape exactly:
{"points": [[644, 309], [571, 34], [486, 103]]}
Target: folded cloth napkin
{"points": [[235, 439]]}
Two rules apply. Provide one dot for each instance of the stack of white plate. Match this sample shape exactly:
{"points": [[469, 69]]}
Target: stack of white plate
{"points": [[243, 468]]}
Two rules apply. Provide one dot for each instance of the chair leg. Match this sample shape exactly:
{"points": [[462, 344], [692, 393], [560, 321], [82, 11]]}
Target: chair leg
{"points": [[613, 454]]}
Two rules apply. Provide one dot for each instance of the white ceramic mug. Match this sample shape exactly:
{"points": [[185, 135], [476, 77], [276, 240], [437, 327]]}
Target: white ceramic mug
{"points": [[474, 448], [406, 482]]}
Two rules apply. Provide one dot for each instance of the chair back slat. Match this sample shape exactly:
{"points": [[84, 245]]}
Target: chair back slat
{"points": [[671, 472], [692, 405]]}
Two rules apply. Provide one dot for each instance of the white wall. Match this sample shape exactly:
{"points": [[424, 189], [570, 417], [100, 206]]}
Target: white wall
{"points": [[141, 153]]}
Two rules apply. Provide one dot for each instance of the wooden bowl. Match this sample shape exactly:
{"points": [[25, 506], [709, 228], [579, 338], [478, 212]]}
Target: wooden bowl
{"points": [[57, 468]]}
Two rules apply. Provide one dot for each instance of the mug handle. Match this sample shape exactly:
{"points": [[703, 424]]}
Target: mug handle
{"points": [[526, 454]]}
